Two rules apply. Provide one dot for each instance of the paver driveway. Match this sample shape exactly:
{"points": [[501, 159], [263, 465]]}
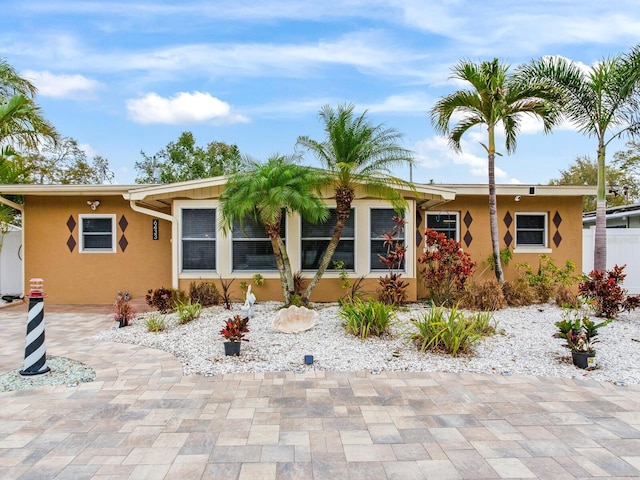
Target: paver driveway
{"points": [[141, 418]]}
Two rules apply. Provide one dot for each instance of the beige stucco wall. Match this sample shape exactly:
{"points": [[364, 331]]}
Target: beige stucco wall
{"points": [[92, 278], [570, 229]]}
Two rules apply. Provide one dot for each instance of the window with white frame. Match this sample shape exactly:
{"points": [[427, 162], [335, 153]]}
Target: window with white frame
{"points": [[531, 230], [252, 249], [315, 239], [382, 222], [198, 238], [97, 233], [445, 222]]}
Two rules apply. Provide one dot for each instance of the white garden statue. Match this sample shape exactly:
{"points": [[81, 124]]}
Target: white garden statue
{"points": [[247, 308]]}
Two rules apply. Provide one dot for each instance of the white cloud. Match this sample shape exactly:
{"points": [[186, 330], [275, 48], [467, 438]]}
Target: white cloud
{"points": [[62, 85], [183, 108], [416, 102], [88, 149], [435, 152]]}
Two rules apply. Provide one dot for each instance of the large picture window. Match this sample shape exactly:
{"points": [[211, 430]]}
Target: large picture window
{"points": [[382, 222], [97, 233], [252, 248], [444, 222], [531, 229], [315, 239], [198, 239]]}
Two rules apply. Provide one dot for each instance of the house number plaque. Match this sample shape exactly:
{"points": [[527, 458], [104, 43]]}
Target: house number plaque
{"points": [[155, 228]]}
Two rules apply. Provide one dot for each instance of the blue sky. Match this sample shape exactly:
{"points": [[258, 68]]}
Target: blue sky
{"points": [[121, 77]]}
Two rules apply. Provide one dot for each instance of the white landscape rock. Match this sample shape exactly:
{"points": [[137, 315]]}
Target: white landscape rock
{"points": [[294, 319], [523, 346]]}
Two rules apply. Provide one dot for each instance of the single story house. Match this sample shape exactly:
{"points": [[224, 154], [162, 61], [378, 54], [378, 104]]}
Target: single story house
{"points": [[87, 242], [623, 216]]}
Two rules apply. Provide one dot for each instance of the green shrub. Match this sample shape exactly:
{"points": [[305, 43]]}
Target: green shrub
{"points": [[484, 296], [484, 324], [366, 318], [548, 277], [155, 323], [443, 330], [188, 311], [204, 293]]}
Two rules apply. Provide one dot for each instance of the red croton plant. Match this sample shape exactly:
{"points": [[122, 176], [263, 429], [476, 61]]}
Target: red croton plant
{"points": [[235, 328], [446, 267]]}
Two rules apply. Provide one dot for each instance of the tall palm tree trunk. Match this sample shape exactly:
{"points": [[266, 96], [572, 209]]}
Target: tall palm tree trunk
{"points": [[281, 268], [326, 258], [493, 208], [600, 245]]}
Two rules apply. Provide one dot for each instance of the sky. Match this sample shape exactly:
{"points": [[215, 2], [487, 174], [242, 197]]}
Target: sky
{"points": [[122, 77]]}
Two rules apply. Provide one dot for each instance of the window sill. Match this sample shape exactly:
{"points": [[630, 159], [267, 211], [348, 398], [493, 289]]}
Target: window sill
{"points": [[532, 250]]}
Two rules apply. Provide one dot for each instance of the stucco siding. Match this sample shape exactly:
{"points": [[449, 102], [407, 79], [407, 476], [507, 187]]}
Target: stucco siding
{"points": [[52, 225]]}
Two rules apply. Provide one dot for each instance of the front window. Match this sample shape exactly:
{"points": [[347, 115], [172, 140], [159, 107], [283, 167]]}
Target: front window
{"points": [[97, 233], [444, 222], [382, 222], [198, 239], [315, 239], [531, 229], [252, 248]]}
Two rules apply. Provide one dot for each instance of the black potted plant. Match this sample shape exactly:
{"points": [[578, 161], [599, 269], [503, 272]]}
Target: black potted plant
{"points": [[579, 333], [234, 331]]}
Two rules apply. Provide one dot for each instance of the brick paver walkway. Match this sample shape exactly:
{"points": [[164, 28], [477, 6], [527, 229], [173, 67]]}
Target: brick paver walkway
{"points": [[142, 418]]}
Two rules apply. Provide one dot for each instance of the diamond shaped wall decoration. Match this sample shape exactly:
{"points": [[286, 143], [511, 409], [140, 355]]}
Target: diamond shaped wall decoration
{"points": [[508, 238], [71, 223], [123, 243], [123, 223], [557, 219], [467, 219], [557, 238], [418, 237], [508, 219], [71, 243], [467, 238]]}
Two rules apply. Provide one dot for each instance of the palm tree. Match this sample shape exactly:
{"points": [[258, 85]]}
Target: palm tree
{"points": [[602, 101], [11, 83], [264, 192], [355, 153], [495, 98], [22, 124]]}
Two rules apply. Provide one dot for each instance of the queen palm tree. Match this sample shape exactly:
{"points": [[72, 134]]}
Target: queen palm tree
{"points": [[264, 192], [22, 123], [21, 120], [494, 98], [602, 101], [355, 153]]}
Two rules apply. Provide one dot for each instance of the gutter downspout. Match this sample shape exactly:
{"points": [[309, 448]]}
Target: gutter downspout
{"points": [[20, 208], [174, 234]]}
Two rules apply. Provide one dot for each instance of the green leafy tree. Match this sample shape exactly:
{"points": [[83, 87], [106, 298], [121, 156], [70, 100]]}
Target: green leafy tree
{"points": [[584, 171], [355, 153], [264, 192], [64, 162], [494, 98], [601, 101], [628, 160], [184, 160]]}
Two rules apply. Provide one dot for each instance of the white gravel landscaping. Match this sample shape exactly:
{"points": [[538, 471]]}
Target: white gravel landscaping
{"points": [[524, 345]]}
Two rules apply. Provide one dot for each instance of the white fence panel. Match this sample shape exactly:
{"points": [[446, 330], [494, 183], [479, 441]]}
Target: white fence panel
{"points": [[623, 247]]}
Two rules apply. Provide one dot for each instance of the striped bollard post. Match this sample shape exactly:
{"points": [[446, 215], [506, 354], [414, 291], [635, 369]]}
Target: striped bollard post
{"points": [[35, 352]]}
